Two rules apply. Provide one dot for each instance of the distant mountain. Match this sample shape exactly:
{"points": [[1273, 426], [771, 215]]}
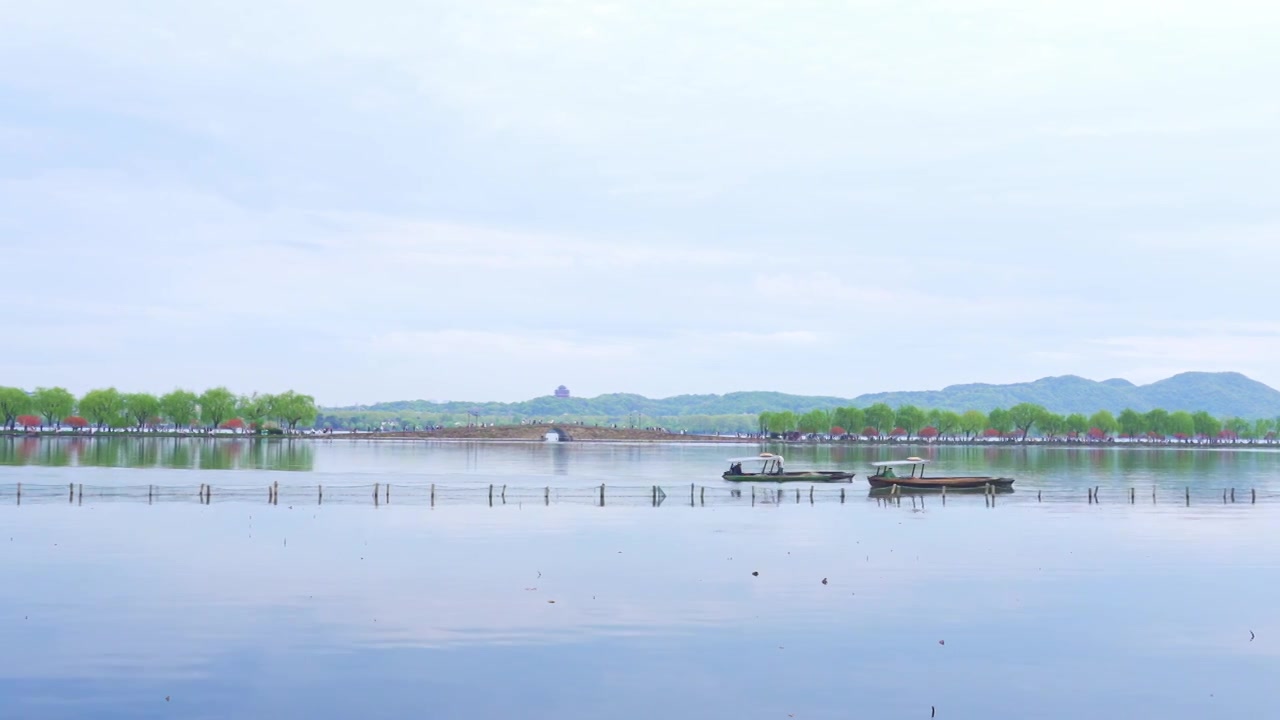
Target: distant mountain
{"points": [[1222, 394]]}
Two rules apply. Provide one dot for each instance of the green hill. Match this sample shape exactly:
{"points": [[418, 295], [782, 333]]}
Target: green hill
{"points": [[1221, 394]]}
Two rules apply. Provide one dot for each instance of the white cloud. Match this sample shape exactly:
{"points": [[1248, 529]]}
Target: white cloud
{"points": [[622, 190]]}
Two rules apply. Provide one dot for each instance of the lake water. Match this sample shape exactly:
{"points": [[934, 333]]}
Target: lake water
{"points": [[550, 606]]}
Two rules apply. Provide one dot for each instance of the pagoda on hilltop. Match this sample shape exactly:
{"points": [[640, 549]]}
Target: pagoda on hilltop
{"points": [[562, 392]]}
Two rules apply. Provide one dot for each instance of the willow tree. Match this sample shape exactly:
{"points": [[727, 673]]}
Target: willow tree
{"points": [[1104, 421], [103, 407], [814, 421], [217, 405], [1024, 416], [972, 422], [880, 416], [141, 407], [294, 408], [13, 402], [53, 404], [909, 418], [180, 407]]}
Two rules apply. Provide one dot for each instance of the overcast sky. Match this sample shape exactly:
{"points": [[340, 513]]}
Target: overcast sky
{"points": [[480, 200]]}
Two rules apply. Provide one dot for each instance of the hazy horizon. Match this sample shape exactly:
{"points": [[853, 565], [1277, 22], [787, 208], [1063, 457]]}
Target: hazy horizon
{"points": [[484, 200]]}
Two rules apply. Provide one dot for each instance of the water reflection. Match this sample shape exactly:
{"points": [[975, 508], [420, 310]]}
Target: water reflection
{"points": [[165, 452]]}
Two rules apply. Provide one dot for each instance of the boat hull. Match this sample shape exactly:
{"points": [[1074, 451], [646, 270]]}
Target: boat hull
{"points": [[796, 476], [1001, 484]]}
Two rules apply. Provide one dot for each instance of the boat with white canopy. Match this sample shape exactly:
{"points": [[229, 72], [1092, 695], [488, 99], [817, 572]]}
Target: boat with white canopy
{"points": [[767, 467], [888, 474]]}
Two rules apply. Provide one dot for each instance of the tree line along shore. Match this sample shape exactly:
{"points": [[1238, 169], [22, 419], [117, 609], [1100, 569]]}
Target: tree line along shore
{"points": [[1018, 423], [108, 409]]}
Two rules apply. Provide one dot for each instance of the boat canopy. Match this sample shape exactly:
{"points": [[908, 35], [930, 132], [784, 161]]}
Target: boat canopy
{"points": [[899, 463], [757, 458]]}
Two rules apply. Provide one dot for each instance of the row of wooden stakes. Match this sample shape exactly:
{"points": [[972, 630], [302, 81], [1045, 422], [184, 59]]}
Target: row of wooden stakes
{"points": [[382, 494]]}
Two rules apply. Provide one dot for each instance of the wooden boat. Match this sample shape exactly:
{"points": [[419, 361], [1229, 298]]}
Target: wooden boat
{"points": [[886, 478], [771, 470]]}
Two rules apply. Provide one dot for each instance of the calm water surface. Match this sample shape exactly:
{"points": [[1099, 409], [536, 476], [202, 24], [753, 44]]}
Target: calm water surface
{"points": [[1054, 608]]}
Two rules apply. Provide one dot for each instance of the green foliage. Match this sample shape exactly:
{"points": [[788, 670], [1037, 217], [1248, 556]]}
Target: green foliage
{"points": [[881, 417], [141, 407], [102, 407], [852, 419], [1206, 424], [53, 404], [217, 405], [180, 407], [1052, 424], [1156, 421], [294, 408], [255, 409], [1263, 427], [1077, 423], [947, 422], [13, 402], [909, 418], [1104, 421], [1025, 415], [973, 422], [1131, 422], [1181, 423], [1000, 420], [814, 421]]}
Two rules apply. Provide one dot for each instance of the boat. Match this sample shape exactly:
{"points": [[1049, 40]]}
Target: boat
{"points": [[771, 470], [885, 477]]}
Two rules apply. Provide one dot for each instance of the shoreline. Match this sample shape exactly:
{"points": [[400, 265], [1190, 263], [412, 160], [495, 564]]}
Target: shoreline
{"points": [[590, 435]]}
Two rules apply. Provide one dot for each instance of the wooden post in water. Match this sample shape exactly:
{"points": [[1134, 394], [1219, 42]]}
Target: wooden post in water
{"points": [[601, 494], [376, 487], [1253, 496], [387, 493], [504, 494], [275, 493], [944, 494], [1038, 495], [546, 495], [653, 500], [1188, 496], [71, 492], [208, 494], [1133, 495], [1224, 496], [490, 494], [702, 496], [319, 494], [1233, 494], [433, 494], [1095, 494], [149, 494], [841, 496], [810, 494], [753, 496], [1153, 494], [797, 496], [690, 494], [19, 493], [80, 500]]}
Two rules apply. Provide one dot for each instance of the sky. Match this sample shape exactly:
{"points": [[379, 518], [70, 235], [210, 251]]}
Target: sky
{"points": [[484, 199]]}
